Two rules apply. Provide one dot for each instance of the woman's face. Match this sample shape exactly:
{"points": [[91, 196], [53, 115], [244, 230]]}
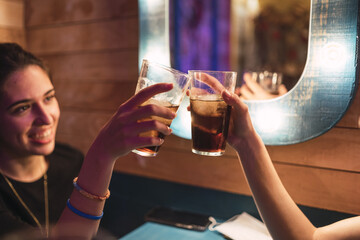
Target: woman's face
{"points": [[29, 113]]}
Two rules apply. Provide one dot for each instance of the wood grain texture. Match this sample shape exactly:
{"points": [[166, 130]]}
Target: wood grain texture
{"points": [[13, 35], [109, 35], [323, 188], [322, 152], [12, 22], [51, 12], [104, 66], [12, 14], [222, 173], [337, 149], [97, 96], [79, 128], [352, 116]]}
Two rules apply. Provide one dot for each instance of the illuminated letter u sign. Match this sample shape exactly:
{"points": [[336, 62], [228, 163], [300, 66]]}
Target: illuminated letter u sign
{"points": [[326, 87]]}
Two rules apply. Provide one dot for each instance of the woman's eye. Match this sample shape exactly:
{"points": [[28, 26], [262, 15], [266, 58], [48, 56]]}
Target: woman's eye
{"points": [[49, 98], [20, 109]]}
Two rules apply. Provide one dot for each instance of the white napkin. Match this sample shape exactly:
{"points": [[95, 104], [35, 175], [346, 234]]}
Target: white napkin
{"points": [[241, 227]]}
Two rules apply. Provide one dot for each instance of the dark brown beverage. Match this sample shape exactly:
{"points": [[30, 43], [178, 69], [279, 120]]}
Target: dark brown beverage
{"points": [[210, 123], [152, 150]]}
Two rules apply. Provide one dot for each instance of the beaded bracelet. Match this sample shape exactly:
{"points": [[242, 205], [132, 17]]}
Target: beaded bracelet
{"points": [[90, 195], [82, 214]]}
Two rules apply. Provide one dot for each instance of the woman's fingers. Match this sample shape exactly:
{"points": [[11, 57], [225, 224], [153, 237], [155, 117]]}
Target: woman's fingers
{"points": [[133, 137], [122, 132], [140, 142], [282, 89], [252, 90], [147, 125], [119, 136], [245, 92], [211, 81], [241, 125], [234, 101], [252, 85], [146, 112], [145, 94]]}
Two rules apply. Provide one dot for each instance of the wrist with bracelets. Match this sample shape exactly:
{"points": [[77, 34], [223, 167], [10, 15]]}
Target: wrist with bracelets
{"points": [[88, 194], [82, 214]]}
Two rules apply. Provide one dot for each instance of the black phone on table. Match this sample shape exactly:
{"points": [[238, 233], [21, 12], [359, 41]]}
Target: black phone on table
{"points": [[178, 218]]}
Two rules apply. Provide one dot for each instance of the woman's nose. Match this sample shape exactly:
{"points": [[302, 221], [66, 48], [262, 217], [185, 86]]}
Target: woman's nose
{"points": [[42, 115]]}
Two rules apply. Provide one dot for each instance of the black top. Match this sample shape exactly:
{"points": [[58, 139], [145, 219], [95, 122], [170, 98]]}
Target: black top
{"points": [[64, 164]]}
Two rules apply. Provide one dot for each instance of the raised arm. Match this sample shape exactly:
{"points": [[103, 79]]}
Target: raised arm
{"points": [[279, 212], [117, 138]]}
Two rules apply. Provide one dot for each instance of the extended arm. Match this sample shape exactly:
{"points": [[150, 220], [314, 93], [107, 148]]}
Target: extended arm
{"points": [[281, 215], [117, 138]]}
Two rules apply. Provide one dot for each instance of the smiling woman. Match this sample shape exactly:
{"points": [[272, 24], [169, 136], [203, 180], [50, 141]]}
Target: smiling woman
{"points": [[29, 115], [33, 111], [39, 187]]}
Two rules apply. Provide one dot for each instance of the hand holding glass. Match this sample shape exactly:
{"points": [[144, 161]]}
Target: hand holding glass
{"points": [[210, 115], [152, 73]]}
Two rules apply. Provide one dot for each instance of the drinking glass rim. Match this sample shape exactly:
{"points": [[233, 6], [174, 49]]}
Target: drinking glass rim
{"points": [[170, 69], [211, 71]]}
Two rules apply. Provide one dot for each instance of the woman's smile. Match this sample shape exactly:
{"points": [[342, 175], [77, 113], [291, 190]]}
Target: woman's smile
{"points": [[42, 136]]}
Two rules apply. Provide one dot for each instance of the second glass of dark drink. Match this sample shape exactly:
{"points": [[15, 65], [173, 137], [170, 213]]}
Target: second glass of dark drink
{"points": [[153, 73], [210, 115]]}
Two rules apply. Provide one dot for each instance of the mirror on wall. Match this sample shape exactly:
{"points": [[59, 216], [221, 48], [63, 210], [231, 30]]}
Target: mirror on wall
{"points": [[257, 36], [317, 101]]}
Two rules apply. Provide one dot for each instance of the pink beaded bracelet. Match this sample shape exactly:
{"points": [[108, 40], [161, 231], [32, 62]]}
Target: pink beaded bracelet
{"points": [[90, 195]]}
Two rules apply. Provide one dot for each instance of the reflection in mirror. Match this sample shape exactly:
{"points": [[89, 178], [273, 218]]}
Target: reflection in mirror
{"points": [[257, 36], [319, 99]]}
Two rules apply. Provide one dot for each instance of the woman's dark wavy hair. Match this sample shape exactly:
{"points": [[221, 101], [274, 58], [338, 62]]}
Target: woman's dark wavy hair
{"points": [[13, 58]]}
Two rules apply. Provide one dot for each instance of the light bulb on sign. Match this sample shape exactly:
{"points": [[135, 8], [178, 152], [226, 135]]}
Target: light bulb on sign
{"points": [[269, 120], [333, 57]]}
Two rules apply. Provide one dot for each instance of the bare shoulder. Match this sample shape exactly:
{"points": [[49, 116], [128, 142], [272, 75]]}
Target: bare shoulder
{"points": [[345, 229]]}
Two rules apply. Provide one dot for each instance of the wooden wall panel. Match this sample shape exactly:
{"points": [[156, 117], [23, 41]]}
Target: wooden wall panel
{"points": [[338, 149], [322, 152], [97, 36], [221, 173], [312, 186], [352, 116], [79, 128], [12, 13], [12, 21], [51, 12], [102, 66], [93, 96], [12, 35], [322, 188]]}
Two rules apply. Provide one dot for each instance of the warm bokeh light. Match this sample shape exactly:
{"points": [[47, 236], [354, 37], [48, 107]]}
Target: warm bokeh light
{"points": [[269, 120], [333, 57], [154, 32], [181, 125]]}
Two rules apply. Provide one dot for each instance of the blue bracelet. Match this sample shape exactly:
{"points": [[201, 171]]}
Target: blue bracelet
{"points": [[82, 214]]}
